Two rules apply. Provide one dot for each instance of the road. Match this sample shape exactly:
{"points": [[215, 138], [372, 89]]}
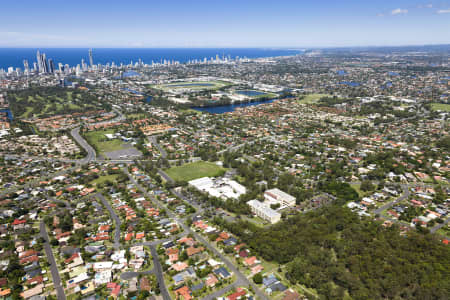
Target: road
{"points": [[241, 280], [220, 292], [439, 226], [129, 275], [165, 176], [159, 274], [51, 259], [91, 155], [404, 196], [114, 217], [154, 140]]}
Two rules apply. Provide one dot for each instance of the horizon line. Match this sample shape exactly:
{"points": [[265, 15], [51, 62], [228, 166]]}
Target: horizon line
{"points": [[225, 47]]}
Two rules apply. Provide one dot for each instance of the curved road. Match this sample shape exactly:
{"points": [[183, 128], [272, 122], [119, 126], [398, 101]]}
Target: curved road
{"points": [[114, 217], [91, 155]]}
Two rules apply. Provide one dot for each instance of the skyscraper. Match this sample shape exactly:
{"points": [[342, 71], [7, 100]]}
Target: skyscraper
{"points": [[44, 63], [91, 59], [51, 66], [39, 61], [26, 66]]}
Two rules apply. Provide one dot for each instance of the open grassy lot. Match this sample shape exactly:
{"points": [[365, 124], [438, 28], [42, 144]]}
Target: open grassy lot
{"points": [[100, 142], [357, 188], [440, 106], [195, 170], [103, 179], [313, 98]]}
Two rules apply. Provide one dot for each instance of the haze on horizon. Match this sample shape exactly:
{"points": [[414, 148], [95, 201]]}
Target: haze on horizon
{"points": [[250, 23]]}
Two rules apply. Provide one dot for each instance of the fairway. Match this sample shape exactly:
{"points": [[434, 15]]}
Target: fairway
{"points": [[440, 106], [195, 170], [41, 103], [313, 98], [100, 142]]}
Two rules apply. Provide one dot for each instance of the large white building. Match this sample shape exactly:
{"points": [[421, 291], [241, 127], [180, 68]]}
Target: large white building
{"points": [[275, 196], [219, 187], [264, 212]]}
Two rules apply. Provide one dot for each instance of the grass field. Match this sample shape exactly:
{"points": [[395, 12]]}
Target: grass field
{"points": [[357, 188], [193, 85], [102, 179], [26, 106], [98, 140], [440, 106], [136, 116], [313, 98], [195, 170]]}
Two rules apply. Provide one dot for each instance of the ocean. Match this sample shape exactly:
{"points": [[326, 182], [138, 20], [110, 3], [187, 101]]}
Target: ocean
{"points": [[13, 57]]}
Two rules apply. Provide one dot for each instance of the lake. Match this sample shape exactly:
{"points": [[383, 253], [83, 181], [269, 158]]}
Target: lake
{"points": [[250, 93], [131, 74], [230, 107], [350, 83], [8, 112]]}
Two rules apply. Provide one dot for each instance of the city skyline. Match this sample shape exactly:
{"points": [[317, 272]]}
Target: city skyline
{"points": [[206, 24]]}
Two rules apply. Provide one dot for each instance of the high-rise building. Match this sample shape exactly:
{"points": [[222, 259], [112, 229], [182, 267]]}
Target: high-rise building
{"points": [[44, 63], [39, 61], [51, 66], [26, 67], [91, 59]]}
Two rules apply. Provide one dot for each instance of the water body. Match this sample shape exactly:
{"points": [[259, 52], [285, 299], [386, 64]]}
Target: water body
{"points": [[250, 93], [131, 74], [350, 83], [13, 57], [230, 107], [8, 113], [133, 91]]}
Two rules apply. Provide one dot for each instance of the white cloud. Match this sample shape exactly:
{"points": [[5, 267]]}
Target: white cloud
{"points": [[443, 11], [380, 15], [399, 11]]}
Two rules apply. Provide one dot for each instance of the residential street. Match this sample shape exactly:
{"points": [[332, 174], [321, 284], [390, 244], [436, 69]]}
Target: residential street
{"points": [[116, 219], [51, 259]]}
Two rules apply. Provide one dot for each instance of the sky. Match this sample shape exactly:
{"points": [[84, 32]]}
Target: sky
{"points": [[226, 23]]}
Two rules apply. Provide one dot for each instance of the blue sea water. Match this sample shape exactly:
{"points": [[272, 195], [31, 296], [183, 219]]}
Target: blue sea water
{"points": [[13, 57]]}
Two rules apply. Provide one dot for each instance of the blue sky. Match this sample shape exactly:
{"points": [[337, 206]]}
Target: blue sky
{"points": [[226, 23]]}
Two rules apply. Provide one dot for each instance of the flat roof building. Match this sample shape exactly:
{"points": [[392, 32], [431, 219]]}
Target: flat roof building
{"points": [[274, 196], [263, 211]]}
